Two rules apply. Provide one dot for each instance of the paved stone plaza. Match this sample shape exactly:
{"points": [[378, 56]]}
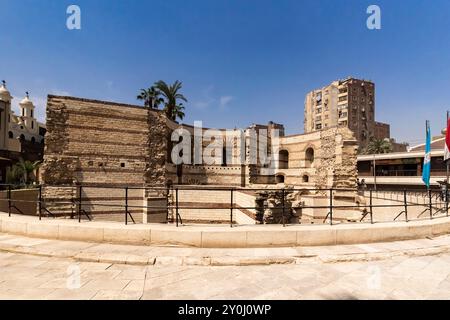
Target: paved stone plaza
{"points": [[424, 276]]}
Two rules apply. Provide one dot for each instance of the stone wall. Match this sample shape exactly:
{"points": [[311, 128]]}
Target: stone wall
{"points": [[336, 165], [110, 145], [97, 143]]}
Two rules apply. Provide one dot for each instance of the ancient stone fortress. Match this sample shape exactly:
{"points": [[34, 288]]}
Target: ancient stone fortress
{"points": [[106, 146]]}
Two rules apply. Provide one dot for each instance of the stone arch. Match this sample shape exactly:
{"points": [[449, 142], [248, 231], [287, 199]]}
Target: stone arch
{"points": [[279, 178], [283, 159], [309, 157]]}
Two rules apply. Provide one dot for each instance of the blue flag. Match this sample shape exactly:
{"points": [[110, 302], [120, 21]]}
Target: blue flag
{"points": [[427, 158]]}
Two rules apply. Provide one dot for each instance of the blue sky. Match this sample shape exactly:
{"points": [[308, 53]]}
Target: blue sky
{"points": [[241, 61]]}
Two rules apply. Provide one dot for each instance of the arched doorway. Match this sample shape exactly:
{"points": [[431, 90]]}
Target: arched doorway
{"points": [[283, 159], [309, 157]]}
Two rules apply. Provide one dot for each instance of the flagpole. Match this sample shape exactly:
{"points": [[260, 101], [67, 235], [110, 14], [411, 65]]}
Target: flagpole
{"points": [[427, 124], [447, 164]]}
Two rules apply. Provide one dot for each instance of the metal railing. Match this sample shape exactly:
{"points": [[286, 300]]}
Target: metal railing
{"points": [[433, 202], [401, 173]]}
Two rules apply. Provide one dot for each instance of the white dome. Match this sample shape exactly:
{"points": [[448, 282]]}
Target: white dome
{"points": [[4, 94], [26, 102]]}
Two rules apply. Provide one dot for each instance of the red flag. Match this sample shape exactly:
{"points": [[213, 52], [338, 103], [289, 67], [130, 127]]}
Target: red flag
{"points": [[447, 141]]}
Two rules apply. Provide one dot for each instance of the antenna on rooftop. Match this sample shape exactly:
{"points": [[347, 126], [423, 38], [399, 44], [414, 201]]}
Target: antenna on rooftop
{"points": [[28, 94], [4, 83]]}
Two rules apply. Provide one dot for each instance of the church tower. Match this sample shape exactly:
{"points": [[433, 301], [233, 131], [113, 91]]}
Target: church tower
{"points": [[27, 114], [5, 109]]}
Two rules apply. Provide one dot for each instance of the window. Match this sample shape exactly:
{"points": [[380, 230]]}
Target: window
{"points": [[318, 126], [122, 164], [283, 159], [32, 113], [305, 178], [32, 124], [33, 140], [10, 135], [224, 156], [22, 137], [343, 114]]}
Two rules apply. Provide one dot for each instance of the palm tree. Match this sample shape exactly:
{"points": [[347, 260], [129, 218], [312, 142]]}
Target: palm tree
{"points": [[377, 146], [150, 97], [172, 107], [27, 169]]}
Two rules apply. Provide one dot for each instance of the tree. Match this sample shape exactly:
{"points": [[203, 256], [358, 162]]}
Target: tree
{"points": [[151, 97], [22, 172], [172, 107], [377, 146]]}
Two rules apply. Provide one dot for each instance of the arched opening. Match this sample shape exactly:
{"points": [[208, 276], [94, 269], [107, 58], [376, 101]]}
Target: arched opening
{"points": [[22, 137], [10, 135], [33, 140], [279, 178], [305, 178], [224, 156], [283, 159], [309, 157]]}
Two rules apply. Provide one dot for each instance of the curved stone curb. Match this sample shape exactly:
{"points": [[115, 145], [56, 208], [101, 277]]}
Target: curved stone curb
{"points": [[138, 260], [264, 236]]}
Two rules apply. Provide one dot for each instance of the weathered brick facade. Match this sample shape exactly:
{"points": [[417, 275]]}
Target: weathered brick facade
{"points": [[93, 143]]}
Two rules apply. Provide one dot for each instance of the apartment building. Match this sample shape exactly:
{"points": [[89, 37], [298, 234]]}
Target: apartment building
{"points": [[345, 103]]}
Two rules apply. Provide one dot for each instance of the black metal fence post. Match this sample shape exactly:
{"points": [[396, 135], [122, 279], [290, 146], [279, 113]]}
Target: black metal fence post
{"points": [[446, 200], [72, 206], [9, 200], [331, 206], [370, 207], [167, 203], [126, 205], [80, 190], [405, 200], [284, 208], [40, 202], [430, 204], [176, 206], [231, 208]]}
